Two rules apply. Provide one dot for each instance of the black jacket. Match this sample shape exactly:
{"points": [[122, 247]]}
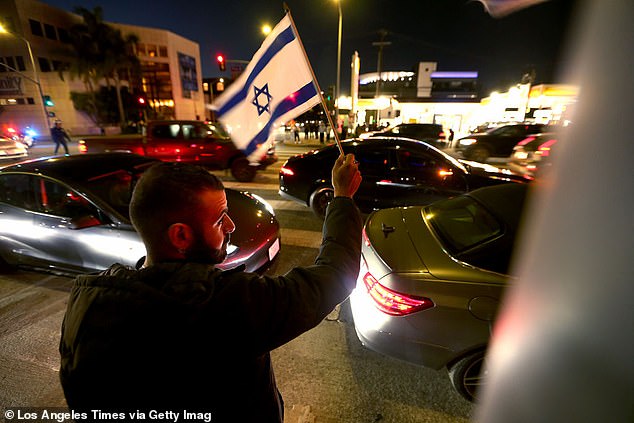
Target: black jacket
{"points": [[186, 336], [59, 135]]}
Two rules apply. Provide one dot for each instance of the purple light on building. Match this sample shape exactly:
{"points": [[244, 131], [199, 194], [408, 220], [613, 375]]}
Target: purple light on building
{"points": [[454, 75]]}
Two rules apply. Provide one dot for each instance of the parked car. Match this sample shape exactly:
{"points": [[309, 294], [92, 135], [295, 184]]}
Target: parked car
{"points": [[395, 171], [11, 149], [496, 142], [432, 279], [70, 215], [25, 136], [531, 156], [431, 133]]}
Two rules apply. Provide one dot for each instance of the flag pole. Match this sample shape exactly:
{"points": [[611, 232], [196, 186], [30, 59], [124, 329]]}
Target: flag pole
{"points": [[321, 96]]}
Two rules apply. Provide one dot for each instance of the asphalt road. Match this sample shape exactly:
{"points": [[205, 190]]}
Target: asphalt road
{"points": [[325, 375]]}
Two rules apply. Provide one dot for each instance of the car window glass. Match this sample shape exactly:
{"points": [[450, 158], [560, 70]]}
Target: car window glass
{"points": [[372, 162], [115, 189], [58, 200], [200, 131], [215, 130], [415, 161], [17, 190], [462, 223], [404, 130], [511, 131], [165, 131], [188, 132]]}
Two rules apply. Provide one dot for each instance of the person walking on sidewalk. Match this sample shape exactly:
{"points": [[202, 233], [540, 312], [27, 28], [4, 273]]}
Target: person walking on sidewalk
{"points": [[322, 132], [60, 136], [295, 130]]}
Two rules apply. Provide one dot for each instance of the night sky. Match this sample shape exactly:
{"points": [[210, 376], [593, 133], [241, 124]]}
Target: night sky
{"points": [[458, 34]]}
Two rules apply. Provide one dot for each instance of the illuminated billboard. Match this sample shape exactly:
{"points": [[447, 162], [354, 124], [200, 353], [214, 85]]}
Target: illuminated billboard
{"points": [[189, 78]]}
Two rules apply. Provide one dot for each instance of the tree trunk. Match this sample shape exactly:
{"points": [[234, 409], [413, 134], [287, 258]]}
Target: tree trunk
{"points": [[117, 84]]}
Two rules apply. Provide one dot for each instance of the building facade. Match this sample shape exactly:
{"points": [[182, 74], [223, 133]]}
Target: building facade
{"points": [[425, 96], [36, 48], [451, 99]]}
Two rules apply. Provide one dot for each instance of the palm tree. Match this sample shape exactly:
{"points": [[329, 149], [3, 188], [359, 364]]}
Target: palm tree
{"points": [[119, 62], [85, 65], [102, 53]]}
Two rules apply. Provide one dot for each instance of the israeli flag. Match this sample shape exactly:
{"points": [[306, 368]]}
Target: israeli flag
{"points": [[276, 86]]}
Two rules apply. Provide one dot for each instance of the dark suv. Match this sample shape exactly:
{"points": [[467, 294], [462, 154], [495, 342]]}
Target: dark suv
{"points": [[497, 142], [429, 132]]}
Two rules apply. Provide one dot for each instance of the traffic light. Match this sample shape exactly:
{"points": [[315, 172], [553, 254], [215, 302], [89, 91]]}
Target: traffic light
{"points": [[221, 62], [331, 93], [141, 101], [47, 101]]}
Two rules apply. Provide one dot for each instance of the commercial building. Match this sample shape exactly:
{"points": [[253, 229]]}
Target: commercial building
{"points": [[450, 99], [425, 96], [36, 50]]}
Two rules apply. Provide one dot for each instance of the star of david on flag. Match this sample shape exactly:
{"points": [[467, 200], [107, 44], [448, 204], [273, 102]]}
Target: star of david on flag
{"points": [[276, 86], [267, 98]]}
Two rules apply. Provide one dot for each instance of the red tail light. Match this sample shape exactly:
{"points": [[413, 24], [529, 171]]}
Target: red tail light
{"points": [[286, 171], [392, 302], [526, 140], [366, 239]]}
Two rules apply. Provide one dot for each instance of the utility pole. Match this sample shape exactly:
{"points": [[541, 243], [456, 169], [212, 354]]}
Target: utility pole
{"points": [[380, 45]]}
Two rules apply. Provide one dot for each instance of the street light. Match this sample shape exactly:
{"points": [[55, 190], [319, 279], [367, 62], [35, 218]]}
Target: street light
{"points": [[338, 65], [36, 81], [266, 29]]}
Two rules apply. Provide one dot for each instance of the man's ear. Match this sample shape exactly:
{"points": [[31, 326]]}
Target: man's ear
{"points": [[181, 236]]}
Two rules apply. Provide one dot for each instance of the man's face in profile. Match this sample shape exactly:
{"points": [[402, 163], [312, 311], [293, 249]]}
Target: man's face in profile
{"points": [[213, 229]]}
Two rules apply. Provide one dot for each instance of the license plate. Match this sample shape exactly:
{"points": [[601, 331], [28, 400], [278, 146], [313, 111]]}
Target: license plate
{"points": [[274, 249]]}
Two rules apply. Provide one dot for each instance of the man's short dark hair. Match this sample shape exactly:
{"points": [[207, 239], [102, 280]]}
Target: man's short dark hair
{"points": [[167, 193]]}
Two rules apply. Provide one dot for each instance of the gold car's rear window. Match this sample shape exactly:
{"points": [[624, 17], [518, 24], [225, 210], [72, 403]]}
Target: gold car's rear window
{"points": [[462, 223]]}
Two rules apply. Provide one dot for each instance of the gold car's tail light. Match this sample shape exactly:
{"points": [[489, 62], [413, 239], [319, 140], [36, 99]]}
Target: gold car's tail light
{"points": [[392, 302]]}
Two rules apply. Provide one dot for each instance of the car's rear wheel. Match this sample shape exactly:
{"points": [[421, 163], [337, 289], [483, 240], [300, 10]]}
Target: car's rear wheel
{"points": [[242, 170], [467, 375], [479, 154], [319, 200]]}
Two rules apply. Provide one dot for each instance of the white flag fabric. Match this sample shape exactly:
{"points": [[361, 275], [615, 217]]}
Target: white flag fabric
{"points": [[500, 8], [276, 86]]}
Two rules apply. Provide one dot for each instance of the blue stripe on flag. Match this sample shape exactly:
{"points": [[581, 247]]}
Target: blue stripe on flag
{"points": [[291, 102], [278, 44]]}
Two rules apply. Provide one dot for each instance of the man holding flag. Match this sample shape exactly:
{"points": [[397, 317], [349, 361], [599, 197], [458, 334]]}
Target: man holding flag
{"points": [[277, 86], [179, 337]]}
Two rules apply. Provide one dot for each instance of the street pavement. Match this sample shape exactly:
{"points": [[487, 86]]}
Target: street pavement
{"points": [[44, 148]]}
